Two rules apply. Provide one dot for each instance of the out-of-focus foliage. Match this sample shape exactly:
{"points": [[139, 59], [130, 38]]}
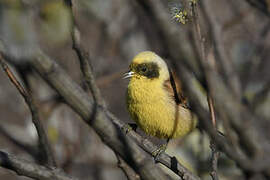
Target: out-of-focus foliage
{"points": [[55, 21]]}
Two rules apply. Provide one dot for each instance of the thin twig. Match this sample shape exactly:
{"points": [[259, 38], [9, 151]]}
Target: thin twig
{"points": [[214, 161], [44, 146], [245, 163], [215, 153], [84, 59], [251, 147], [213, 147], [211, 109]]}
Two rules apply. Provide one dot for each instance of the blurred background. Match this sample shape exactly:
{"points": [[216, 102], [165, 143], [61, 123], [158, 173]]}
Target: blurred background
{"points": [[113, 31]]}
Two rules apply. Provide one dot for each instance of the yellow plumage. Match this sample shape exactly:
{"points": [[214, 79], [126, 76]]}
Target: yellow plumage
{"points": [[149, 103]]}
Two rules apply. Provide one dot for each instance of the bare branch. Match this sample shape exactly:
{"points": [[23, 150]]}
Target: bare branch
{"points": [[44, 145], [215, 153], [221, 142], [88, 75], [229, 104], [107, 128], [29, 169], [84, 59]]}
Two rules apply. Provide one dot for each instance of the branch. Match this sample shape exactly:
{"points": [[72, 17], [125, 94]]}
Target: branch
{"points": [[173, 37], [88, 75], [84, 59], [255, 165], [107, 128], [215, 153], [44, 146], [111, 130], [229, 104], [29, 169], [214, 161]]}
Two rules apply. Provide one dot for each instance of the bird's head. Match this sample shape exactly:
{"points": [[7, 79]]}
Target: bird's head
{"points": [[148, 65]]}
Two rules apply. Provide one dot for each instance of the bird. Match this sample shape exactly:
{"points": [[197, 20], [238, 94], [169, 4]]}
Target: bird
{"points": [[155, 100]]}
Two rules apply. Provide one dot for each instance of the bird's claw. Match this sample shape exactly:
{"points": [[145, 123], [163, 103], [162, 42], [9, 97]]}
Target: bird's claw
{"points": [[129, 127], [161, 149], [133, 126]]}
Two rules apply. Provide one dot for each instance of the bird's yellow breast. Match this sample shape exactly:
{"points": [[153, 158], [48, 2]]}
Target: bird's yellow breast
{"points": [[155, 111]]}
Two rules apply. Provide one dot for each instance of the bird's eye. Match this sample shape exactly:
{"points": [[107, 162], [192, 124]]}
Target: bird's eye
{"points": [[143, 69]]}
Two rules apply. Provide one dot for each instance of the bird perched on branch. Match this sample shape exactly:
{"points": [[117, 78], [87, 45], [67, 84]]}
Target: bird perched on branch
{"points": [[155, 100]]}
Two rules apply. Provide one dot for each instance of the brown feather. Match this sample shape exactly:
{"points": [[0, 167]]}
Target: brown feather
{"points": [[173, 87]]}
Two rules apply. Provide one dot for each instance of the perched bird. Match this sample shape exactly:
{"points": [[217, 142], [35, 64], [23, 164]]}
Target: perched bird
{"points": [[155, 100]]}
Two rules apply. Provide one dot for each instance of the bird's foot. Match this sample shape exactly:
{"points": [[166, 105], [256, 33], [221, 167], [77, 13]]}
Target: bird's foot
{"points": [[133, 126], [161, 149], [129, 127]]}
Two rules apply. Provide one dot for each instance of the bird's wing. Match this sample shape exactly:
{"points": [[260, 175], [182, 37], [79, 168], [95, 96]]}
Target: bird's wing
{"points": [[173, 87]]}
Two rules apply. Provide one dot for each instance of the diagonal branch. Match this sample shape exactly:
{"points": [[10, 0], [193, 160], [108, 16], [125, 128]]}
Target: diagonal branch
{"points": [[44, 146], [29, 169]]}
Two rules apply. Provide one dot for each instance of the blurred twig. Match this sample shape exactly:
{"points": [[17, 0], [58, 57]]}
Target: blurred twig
{"points": [[215, 153], [29, 169], [260, 96], [129, 172], [261, 5], [30, 149], [44, 146], [231, 99], [221, 142]]}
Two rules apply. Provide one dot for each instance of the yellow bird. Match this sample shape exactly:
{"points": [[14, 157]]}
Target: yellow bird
{"points": [[154, 99]]}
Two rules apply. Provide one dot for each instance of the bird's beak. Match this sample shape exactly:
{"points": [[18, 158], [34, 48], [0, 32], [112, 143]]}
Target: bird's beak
{"points": [[128, 74]]}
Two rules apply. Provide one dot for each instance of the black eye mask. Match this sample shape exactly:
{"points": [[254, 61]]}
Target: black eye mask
{"points": [[149, 70]]}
